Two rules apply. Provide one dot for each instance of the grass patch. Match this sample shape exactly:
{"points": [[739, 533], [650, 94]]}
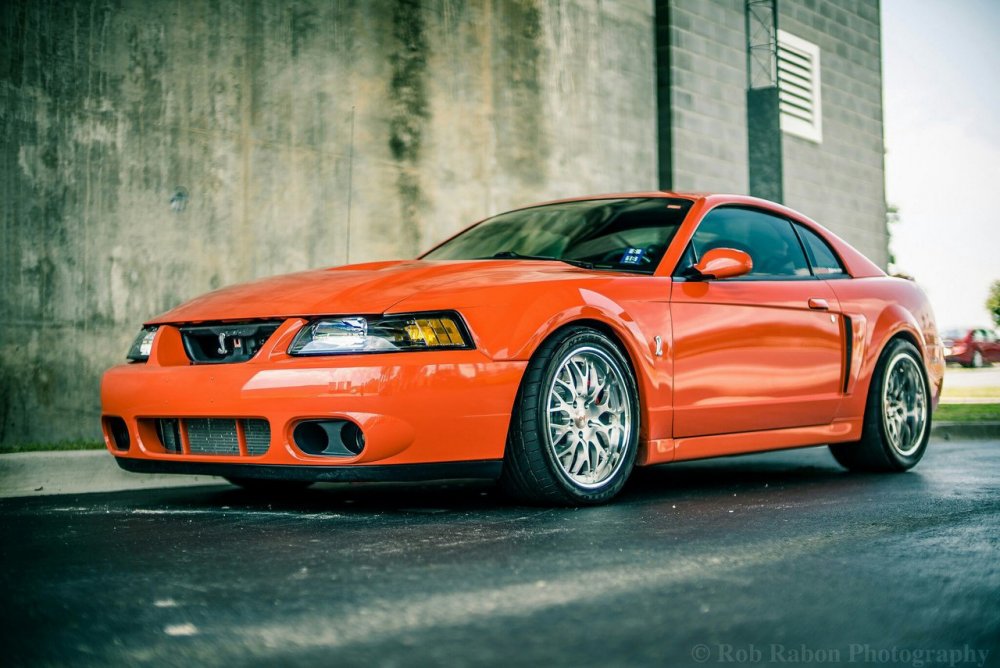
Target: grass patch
{"points": [[43, 447], [967, 413]]}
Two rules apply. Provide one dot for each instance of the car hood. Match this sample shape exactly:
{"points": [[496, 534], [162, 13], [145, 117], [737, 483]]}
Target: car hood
{"points": [[361, 288]]}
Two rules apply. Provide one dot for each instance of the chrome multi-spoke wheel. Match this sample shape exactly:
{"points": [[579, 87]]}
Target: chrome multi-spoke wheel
{"points": [[897, 420], [588, 417], [904, 404], [574, 432]]}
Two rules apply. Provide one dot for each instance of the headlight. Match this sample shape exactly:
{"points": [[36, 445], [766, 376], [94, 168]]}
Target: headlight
{"points": [[139, 352], [377, 334]]}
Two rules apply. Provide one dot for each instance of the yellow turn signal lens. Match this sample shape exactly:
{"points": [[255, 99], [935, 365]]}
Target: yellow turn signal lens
{"points": [[435, 332]]}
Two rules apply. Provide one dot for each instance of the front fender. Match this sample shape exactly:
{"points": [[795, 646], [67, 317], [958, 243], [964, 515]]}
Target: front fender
{"points": [[516, 331]]}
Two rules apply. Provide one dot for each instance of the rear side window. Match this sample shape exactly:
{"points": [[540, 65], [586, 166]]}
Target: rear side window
{"points": [[770, 241], [822, 258]]}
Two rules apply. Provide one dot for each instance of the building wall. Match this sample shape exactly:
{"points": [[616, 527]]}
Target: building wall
{"points": [[841, 182], [311, 133], [709, 107], [304, 134]]}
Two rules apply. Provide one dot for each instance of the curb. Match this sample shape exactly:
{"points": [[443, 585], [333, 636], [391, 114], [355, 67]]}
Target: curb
{"points": [[949, 431], [79, 472]]}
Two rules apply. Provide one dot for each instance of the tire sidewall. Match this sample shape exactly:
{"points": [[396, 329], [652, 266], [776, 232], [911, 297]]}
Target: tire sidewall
{"points": [[577, 338]]}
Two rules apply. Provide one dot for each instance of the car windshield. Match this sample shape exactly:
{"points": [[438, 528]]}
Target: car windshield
{"points": [[629, 234]]}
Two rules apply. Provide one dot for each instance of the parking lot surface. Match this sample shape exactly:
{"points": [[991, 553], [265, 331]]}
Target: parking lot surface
{"points": [[765, 559]]}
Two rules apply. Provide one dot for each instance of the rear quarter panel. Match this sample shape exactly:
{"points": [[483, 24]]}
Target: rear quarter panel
{"points": [[887, 307]]}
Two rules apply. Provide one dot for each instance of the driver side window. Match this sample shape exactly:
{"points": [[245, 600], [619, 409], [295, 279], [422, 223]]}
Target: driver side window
{"points": [[769, 240]]}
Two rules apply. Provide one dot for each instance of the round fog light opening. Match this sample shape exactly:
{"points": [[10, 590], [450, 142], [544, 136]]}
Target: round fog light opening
{"points": [[311, 437], [352, 437]]}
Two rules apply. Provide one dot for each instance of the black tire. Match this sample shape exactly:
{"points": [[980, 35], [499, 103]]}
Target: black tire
{"points": [[532, 471], [876, 451], [270, 487]]}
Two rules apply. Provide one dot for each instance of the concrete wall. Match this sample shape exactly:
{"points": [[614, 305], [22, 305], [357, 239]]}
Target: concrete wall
{"points": [[841, 181], [291, 127], [308, 133]]}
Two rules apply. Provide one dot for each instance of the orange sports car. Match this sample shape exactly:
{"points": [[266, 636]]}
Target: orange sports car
{"points": [[554, 348]]}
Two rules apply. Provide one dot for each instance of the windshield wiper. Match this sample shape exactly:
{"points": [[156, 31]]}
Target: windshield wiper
{"points": [[514, 255]]}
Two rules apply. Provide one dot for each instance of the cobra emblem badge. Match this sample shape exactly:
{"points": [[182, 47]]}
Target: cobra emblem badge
{"points": [[222, 344]]}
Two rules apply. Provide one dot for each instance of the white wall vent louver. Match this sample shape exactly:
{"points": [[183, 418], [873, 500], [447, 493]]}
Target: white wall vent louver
{"points": [[799, 87]]}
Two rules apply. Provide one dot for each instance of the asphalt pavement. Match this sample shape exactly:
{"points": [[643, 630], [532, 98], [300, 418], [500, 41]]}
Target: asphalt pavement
{"points": [[773, 559]]}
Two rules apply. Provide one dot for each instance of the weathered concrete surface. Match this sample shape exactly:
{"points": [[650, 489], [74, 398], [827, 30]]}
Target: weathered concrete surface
{"points": [[299, 134], [79, 472]]}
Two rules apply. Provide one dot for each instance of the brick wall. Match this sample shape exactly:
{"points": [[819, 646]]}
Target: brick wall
{"points": [[841, 181], [708, 79]]}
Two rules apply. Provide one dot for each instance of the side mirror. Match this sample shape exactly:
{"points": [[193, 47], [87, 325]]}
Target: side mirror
{"points": [[722, 263]]}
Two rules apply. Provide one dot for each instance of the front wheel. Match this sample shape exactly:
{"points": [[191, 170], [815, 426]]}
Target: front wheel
{"points": [[575, 427], [897, 422]]}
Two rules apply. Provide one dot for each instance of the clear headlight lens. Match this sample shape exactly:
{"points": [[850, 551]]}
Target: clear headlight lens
{"points": [[139, 352], [373, 334]]}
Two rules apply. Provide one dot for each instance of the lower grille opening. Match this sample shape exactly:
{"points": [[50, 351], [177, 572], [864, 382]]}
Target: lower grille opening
{"points": [[215, 436], [118, 430], [170, 435]]}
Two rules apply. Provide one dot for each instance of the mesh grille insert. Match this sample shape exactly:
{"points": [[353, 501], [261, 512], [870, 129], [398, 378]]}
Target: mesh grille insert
{"points": [[214, 436], [258, 436]]}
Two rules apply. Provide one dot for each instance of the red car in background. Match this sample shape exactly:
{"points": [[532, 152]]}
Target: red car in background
{"points": [[971, 346]]}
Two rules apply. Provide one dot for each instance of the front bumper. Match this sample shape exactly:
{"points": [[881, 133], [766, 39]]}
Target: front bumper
{"points": [[413, 408], [489, 470]]}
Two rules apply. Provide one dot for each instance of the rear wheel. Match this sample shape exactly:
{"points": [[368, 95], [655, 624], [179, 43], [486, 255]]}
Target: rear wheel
{"points": [[274, 487], [575, 427], [897, 415]]}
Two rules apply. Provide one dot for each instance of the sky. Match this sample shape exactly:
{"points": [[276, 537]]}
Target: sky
{"points": [[941, 75]]}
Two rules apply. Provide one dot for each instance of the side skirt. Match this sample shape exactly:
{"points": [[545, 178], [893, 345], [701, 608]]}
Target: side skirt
{"points": [[702, 447]]}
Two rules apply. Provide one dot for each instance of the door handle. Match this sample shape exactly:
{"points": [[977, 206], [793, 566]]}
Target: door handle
{"points": [[819, 304]]}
